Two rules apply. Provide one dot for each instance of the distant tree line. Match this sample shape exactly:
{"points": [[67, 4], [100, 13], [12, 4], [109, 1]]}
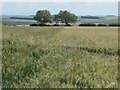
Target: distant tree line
{"points": [[90, 17], [21, 18]]}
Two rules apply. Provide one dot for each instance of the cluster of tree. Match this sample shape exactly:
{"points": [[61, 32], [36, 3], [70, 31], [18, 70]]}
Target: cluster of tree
{"points": [[44, 16]]}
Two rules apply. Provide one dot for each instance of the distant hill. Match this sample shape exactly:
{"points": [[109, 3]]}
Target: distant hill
{"points": [[17, 20], [110, 16], [28, 19], [108, 19]]}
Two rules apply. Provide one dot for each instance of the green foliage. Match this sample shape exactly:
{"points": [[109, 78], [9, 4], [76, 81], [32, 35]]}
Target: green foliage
{"points": [[56, 18], [43, 16], [67, 17], [57, 57]]}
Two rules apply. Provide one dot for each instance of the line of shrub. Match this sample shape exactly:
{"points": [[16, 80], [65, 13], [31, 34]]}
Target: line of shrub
{"points": [[49, 25], [83, 24], [92, 24], [87, 24]]}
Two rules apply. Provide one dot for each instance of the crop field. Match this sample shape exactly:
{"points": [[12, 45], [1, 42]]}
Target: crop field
{"points": [[60, 57]]}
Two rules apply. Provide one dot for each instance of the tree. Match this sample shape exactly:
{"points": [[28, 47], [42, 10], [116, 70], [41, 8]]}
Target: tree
{"points": [[43, 16], [67, 17], [56, 18]]}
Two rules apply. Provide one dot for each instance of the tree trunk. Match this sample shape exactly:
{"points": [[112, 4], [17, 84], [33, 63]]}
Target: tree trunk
{"points": [[66, 22]]}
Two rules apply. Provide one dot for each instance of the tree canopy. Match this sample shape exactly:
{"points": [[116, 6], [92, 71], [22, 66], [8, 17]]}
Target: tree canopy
{"points": [[56, 18], [43, 16], [67, 17]]}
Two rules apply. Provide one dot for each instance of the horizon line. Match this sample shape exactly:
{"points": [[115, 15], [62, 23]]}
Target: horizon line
{"points": [[53, 14]]}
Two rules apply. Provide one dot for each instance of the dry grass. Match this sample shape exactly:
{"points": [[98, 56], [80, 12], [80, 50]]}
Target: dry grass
{"points": [[64, 57]]}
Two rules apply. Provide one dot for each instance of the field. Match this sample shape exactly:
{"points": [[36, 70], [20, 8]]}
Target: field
{"points": [[60, 57]]}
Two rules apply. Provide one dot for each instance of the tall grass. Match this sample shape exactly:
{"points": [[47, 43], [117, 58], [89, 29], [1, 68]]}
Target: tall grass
{"points": [[60, 57]]}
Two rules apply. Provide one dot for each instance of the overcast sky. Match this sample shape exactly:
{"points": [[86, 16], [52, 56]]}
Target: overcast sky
{"points": [[86, 7]]}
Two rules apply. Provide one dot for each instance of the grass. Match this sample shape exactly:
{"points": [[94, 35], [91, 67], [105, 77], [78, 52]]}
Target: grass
{"points": [[60, 57]]}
